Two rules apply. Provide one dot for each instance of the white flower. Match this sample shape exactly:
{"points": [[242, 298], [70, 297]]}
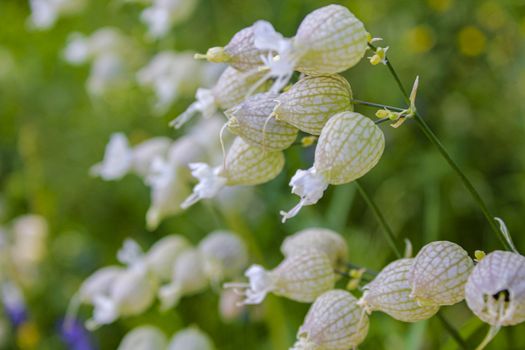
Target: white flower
{"points": [[117, 159], [191, 339], [210, 183], [310, 186], [30, 237], [163, 14], [44, 13], [170, 75], [161, 257], [143, 338], [145, 152]]}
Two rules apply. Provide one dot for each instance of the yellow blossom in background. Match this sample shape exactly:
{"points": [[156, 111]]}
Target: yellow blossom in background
{"points": [[27, 336], [439, 5], [471, 41], [420, 39]]}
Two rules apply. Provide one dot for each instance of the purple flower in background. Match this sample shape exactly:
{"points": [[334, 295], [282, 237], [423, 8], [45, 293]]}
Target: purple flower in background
{"points": [[75, 336], [14, 304]]}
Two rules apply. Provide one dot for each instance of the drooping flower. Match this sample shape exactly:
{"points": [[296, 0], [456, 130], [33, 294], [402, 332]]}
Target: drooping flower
{"points": [[188, 278], [224, 255], [144, 338], [117, 160], [252, 121], [144, 153], [349, 146], [390, 291], [310, 102], [327, 241], [191, 338], [162, 256], [495, 290], [44, 13], [162, 15], [244, 165], [335, 321], [230, 89], [301, 277], [439, 273]]}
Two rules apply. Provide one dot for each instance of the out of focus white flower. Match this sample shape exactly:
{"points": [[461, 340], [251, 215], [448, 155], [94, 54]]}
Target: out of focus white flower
{"points": [[109, 52], [161, 257], [163, 14], [29, 242], [144, 338], [117, 159], [191, 338], [171, 75], [131, 293], [99, 283], [44, 13], [145, 152], [188, 278]]}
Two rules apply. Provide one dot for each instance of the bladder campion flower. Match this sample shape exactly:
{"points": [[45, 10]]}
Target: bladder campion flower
{"points": [[335, 321], [495, 290], [224, 255], [244, 165], [161, 257], [191, 338], [439, 274], [301, 277], [143, 338], [230, 90], [252, 122], [389, 292], [348, 147], [310, 102], [327, 241]]}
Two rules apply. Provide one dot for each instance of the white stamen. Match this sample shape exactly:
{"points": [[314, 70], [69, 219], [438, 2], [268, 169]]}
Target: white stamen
{"points": [[210, 183], [205, 105], [260, 283]]}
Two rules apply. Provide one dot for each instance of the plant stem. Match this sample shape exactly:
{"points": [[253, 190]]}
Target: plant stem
{"points": [[435, 141], [378, 105], [452, 331], [389, 234]]}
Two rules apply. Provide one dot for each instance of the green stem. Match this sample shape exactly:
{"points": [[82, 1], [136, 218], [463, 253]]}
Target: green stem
{"points": [[452, 331], [378, 105], [389, 234], [435, 141]]}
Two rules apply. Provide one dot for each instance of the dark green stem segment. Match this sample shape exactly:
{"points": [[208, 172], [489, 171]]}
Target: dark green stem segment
{"points": [[435, 141], [452, 331], [389, 234]]}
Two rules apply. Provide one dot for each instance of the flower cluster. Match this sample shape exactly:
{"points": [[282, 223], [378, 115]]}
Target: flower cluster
{"points": [[267, 120], [171, 269], [163, 165], [152, 338]]}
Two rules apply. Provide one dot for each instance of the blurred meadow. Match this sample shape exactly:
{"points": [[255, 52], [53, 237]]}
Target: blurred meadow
{"points": [[470, 57]]}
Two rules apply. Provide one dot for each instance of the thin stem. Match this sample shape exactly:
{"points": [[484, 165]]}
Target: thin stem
{"points": [[378, 105], [435, 141], [389, 234], [452, 331]]}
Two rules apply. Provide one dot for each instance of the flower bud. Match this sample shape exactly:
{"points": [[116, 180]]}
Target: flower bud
{"points": [[334, 322], [244, 165], [144, 338], [241, 52], [131, 293], [327, 241], [252, 121], [389, 292], [301, 277], [349, 146], [191, 338], [224, 255], [331, 40], [162, 255], [439, 274], [310, 102], [495, 290], [188, 278]]}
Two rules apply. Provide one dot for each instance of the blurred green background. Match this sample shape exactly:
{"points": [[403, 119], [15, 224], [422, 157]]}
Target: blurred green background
{"points": [[470, 57]]}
